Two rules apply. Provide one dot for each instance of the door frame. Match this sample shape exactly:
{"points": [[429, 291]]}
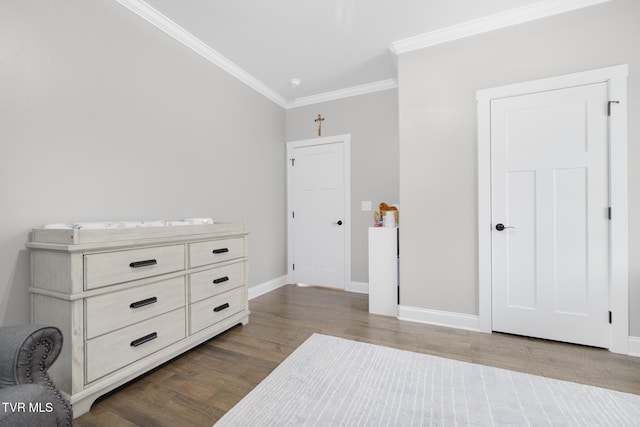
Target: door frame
{"points": [[292, 145], [616, 77]]}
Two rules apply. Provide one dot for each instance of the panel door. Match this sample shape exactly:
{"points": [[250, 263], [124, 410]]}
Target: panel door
{"points": [[550, 262], [318, 210]]}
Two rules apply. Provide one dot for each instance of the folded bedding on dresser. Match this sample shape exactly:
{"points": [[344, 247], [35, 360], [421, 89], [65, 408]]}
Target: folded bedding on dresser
{"points": [[97, 225]]}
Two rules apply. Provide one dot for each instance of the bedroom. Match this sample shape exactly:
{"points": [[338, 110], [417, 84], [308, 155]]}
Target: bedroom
{"points": [[107, 118]]}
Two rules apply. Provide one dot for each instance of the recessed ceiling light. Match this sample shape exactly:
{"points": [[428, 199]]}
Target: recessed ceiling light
{"points": [[294, 82]]}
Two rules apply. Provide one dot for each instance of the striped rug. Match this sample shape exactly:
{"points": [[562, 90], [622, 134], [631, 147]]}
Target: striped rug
{"points": [[331, 381]]}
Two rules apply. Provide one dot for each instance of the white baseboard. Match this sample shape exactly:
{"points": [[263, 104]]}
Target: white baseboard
{"points": [[468, 322], [358, 287], [414, 314], [266, 287], [634, 346], [441, 318]]}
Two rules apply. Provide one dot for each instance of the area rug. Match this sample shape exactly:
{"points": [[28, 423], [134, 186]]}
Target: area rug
{"points": [[330, 381]]}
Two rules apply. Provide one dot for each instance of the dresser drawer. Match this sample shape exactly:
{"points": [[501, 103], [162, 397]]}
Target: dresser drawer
{"points": [[203, 253], [106, 313], [117, 267], [111, 352], [212, 310], [208, 283]]}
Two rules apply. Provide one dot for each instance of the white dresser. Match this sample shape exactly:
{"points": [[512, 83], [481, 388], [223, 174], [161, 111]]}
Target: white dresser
{"points": [[130, 299]]}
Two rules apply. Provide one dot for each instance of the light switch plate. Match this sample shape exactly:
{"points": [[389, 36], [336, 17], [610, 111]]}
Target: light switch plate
{"points": [[366, 205]]}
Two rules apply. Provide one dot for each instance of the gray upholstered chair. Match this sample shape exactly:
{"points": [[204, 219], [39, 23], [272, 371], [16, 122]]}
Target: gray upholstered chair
{"points": [[28, 397]]}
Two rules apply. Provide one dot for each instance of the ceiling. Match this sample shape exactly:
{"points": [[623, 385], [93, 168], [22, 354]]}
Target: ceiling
{"points": [[332, 46]]}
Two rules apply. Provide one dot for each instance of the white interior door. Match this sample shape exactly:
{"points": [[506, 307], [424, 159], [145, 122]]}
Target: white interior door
{"points": [[549, 171], [318, 214]]}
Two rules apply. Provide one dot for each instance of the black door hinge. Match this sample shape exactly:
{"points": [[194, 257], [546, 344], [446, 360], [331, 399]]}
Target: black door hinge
{"points": [[293, 161], [610, 317], [609, 106], [294, 267], [609, 212]]}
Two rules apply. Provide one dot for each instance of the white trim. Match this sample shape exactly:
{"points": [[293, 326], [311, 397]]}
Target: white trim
{"points": [[634, 346], [291, 145], [343, 93], [619, 286], [504, 19], [162, 22], [618, 199], [165, 24], [440, 318], [358, 287], [478, 26], [266, 287]]}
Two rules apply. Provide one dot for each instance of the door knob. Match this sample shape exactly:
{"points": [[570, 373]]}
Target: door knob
{"points": [[339, 222], [501, 227]]}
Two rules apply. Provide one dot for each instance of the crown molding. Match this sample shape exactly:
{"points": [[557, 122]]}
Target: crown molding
{"points": [[165, 24], [508, 18], [532, 12], [343, 93]]}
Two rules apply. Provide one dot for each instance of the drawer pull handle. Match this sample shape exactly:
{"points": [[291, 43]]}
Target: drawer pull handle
{"points": [[144, 263], [221, 251], [221, 307], [146, 338], [143, 302], [220, 280]]}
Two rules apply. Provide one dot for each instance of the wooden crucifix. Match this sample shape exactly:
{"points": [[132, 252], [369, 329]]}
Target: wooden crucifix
{"points": [[319, 120]]}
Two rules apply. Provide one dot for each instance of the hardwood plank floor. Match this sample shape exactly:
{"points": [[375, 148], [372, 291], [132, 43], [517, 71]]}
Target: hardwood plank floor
{"points": [[197, 388]]}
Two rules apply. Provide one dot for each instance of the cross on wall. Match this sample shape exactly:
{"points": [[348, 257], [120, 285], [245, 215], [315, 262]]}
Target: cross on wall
{"points": [[319, 120]]}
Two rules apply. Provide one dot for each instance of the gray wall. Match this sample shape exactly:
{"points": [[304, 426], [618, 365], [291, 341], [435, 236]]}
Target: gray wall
{"points": [[372, 121], [438, 183], [104, 117]]}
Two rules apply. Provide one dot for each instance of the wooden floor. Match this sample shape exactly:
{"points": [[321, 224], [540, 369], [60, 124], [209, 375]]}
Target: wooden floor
{"points": [[197, 388]]}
